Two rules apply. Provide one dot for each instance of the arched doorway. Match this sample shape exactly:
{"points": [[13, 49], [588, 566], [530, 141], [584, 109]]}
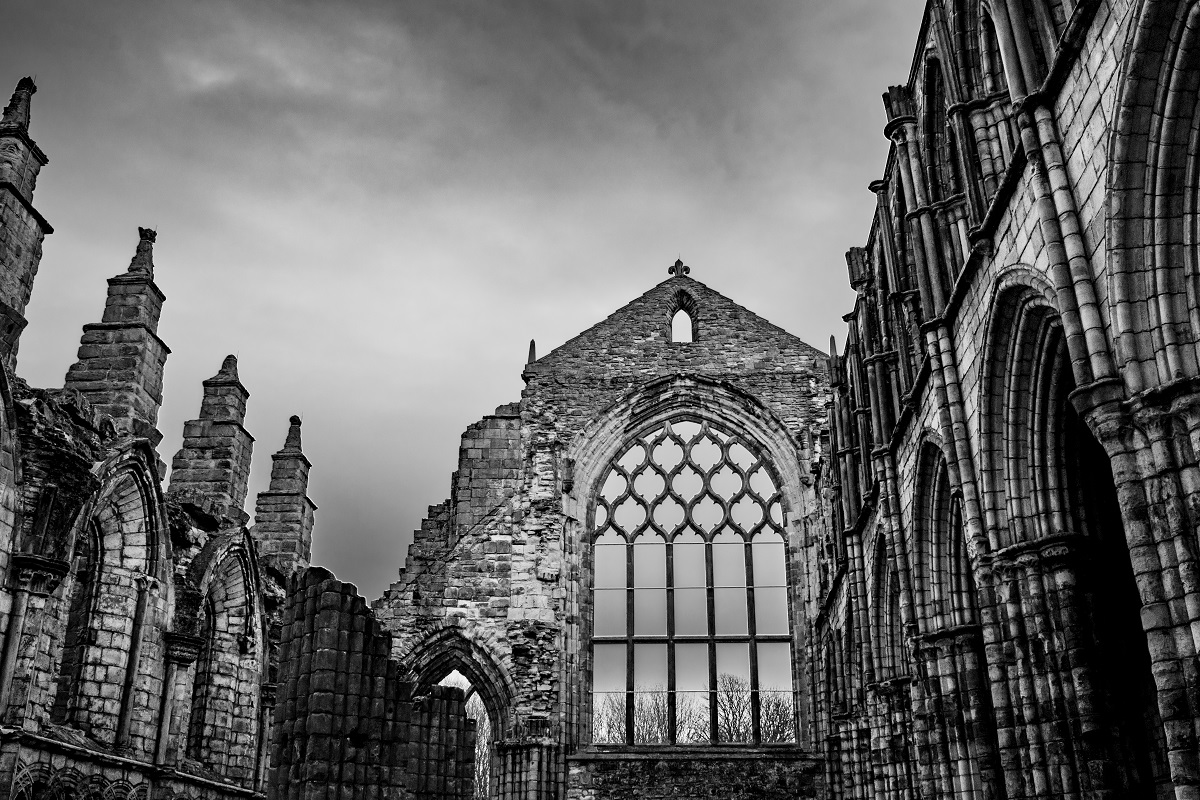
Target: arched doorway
{"points": [[485, 750], [1121, 655]]}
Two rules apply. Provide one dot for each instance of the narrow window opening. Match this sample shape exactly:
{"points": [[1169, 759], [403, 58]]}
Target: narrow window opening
{"points": [[484, 752], [682, 328]]}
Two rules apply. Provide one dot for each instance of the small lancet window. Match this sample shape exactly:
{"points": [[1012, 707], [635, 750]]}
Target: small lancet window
{"points": [[682, 328]]}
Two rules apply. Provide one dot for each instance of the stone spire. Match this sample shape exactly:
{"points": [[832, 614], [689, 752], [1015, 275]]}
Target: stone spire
{"points": [[284, 514], [121, 358], [211, 471], [22, 228]]}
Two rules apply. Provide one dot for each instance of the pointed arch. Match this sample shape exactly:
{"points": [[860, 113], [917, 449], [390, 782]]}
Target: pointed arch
{"points": [[228, 673], [1153, 223], [114, 600], [946, 596], [683, 326], [450, 649]]}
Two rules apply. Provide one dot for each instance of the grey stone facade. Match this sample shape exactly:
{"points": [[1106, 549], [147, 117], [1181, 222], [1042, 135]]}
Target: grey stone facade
{"points": [[976, 519]]}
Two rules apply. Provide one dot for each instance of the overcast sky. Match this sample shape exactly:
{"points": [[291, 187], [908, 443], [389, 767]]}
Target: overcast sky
{"points": [[377, 205]]}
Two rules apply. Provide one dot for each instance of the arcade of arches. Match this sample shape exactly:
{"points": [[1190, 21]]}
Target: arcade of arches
{"points": [[956, 557]]}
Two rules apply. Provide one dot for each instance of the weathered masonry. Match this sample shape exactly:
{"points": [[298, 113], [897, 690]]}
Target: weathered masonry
{"points": [[140, 625], [1009, 603], [617, 571], [957, 558]]}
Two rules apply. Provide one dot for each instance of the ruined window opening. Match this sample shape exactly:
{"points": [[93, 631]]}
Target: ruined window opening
{"points": [[682, 328], [200, 683], [683, 319], [79, 632], [484, 751], [691, 633]]}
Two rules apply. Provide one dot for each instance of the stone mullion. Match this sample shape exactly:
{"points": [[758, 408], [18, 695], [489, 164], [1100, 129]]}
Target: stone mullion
{"points": [[181, 651], [145, 585]]}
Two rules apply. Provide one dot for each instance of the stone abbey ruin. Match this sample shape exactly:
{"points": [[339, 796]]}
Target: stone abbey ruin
{"points": [[697, 558]]}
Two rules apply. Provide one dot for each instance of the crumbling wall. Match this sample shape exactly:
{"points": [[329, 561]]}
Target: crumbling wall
{"points": [[346, 726]]}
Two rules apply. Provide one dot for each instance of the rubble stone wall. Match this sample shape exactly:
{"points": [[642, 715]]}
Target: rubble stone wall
{"points": [[346, 725]]}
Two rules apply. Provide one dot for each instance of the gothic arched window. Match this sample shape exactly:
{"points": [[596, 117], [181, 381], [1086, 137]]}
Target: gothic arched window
{"points": [[691, 635], [201, 678], [80, 632]]}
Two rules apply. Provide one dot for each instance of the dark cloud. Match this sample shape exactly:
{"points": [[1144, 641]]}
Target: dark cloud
{"points": [[377, 205]]}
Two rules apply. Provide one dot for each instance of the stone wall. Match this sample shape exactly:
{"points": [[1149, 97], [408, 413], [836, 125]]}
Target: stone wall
{"points": [[667, 775], [346, 725]]}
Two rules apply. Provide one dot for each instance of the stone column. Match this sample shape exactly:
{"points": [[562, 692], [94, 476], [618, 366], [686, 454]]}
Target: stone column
{"points": [[182, 650], [145, 585], [34, 577]]}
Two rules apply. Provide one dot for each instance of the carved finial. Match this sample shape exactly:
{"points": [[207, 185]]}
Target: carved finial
{"points": [[143, 257], [678, 269], [532, 352], [16, 113], [292, 442], [228, 369]]}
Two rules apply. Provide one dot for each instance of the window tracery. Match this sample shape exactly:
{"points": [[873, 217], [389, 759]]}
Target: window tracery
{"points": [[691, 635]]}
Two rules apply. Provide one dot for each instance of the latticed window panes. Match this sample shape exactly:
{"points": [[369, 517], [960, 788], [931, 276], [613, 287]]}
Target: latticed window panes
{"points": [[691, 636]]}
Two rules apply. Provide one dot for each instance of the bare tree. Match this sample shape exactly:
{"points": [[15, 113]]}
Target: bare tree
{"points": [[735, 721], [483, 747]]}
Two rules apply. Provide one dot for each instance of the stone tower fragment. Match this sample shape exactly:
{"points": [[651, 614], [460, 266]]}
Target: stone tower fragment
{"points": [[121, 358], [283, 515], [211, 471], [22, 228]]}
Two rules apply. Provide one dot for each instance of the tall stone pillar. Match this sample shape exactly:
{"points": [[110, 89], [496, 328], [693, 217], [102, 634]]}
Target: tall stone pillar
{"points": [[22, 228], [121, 358], [283, 515], [211, 471]]}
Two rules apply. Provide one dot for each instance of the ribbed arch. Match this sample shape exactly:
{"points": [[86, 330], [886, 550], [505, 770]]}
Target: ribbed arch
{"points": [[945, 590], [1154, 279], [450, 649], [119, 557], [700, 402], [888, 639], [227, 674], [1024, 351]]}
